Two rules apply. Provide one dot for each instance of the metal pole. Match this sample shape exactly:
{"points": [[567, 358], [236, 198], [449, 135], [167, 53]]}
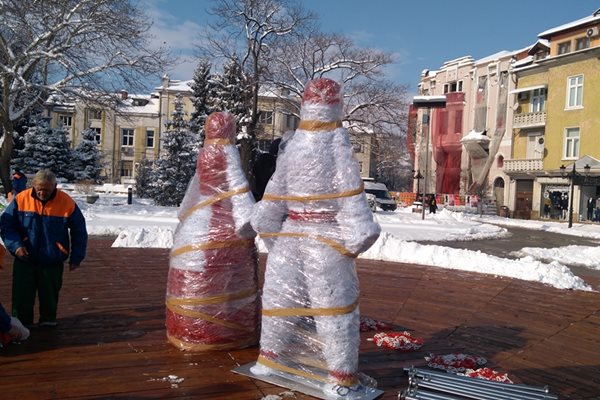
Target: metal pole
{"points": [[426, 163], [571, 197]]}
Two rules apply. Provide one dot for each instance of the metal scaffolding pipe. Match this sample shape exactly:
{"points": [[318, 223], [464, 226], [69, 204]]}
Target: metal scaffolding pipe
{"points": [[426, 374], [473, 388]]}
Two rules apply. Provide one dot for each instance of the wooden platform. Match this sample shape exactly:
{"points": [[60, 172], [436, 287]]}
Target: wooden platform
{"points": [[110, 342]]}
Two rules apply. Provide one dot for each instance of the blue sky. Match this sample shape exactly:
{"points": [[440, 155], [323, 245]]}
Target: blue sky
{"points": [[420, 35]]}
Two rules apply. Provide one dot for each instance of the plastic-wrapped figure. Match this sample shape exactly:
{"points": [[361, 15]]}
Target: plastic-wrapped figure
{"points": [[212, 292], [315, 219]]}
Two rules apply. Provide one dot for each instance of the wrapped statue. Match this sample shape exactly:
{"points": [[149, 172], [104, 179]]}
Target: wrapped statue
{"points": [[315, 220], [212, 292]]}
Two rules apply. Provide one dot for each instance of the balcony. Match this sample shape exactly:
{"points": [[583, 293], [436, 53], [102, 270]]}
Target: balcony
{"points": [[523, 165], [529, 120]]}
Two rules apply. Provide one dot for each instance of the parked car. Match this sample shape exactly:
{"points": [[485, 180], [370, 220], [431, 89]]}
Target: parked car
{"points": [[382, 195]]}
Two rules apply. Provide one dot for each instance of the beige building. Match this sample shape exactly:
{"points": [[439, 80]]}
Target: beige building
{"points": [[133, 132], [461, 148]]}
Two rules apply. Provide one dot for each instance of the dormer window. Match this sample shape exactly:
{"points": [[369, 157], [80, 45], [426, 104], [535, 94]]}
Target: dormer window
{"points": [[139, 102]]}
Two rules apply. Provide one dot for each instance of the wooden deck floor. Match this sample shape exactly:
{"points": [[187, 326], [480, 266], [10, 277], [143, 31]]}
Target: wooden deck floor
{"points": [[110, 343]]}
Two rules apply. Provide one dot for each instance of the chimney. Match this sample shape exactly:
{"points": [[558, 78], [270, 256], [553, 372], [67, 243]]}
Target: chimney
{"points": [[165, 81], [124, 94]]}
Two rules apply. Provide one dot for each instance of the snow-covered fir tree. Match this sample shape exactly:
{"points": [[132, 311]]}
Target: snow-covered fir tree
{"points": [[46, 148], [232, 92], [86, 158], [202, 98], [177, 162], [143, 179]]}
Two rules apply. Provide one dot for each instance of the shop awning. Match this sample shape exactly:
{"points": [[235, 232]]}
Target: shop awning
{"points": [[527, 89]]}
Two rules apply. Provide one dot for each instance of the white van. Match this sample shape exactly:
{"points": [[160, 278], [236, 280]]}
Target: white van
{"points": [[381, 193]]}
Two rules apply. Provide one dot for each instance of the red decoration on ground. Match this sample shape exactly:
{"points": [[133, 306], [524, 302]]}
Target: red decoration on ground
{"points": [[402, 341]]}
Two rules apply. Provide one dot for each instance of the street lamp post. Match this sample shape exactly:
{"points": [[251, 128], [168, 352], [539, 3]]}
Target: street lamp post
{"points": [[418, 177], [428, 102], [573, 175]]}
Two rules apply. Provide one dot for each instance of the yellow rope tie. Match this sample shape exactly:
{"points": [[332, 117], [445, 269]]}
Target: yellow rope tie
{"points": [[213, 200], [316, 197], [217, 141], [319, 126], [310, 312], [331, 243], [203, 316], [212, 246], [280, 367], [203, 347], [225, 298]]}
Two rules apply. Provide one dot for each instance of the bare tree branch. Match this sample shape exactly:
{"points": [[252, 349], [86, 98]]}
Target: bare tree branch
{"points": [[77, 48]]}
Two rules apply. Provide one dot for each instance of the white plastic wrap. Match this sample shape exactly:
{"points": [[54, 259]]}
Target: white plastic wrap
{"points": [[315, 219], [212, 290]]}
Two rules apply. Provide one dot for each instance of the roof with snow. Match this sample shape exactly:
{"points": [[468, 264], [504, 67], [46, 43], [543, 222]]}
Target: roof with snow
{"points": [[178, 86], [580, 22]]}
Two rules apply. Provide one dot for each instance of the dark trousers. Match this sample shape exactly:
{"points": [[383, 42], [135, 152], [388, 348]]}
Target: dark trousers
{"points": [[29, 280]]}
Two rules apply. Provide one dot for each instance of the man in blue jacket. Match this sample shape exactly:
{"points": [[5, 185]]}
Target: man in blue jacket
{"points": [[43, 227]]}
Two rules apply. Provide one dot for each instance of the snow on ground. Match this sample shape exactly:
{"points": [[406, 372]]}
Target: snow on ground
{"points": [[142, 224]]}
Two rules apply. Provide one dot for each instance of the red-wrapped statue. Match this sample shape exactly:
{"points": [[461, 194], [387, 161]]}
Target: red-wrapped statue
{"points": [[212, 292]]}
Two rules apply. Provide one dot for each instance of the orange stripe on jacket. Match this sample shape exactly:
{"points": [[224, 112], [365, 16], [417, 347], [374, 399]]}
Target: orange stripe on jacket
{"points": [[61, 205]]}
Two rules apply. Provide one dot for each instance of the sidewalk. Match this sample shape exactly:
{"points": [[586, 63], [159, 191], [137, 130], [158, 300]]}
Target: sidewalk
{"points": [[110, 342]]}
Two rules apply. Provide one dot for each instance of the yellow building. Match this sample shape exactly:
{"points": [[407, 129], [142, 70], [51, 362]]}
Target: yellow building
{"points": [[555, 124]]}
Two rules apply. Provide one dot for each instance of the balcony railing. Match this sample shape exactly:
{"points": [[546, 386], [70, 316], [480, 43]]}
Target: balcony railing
{"points": [[523, 165], [529, 120]]}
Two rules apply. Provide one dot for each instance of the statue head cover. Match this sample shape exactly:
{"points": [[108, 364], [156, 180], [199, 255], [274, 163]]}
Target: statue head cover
{"points": [[220, 125], [322, 91]]}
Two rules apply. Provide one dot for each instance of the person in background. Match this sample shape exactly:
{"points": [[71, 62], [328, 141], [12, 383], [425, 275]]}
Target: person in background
{"points": [[19, 181], [10, 327], [591, 204], [42, 228], [432, 204]]}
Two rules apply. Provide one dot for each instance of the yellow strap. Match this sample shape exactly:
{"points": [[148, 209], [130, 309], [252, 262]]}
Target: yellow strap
{"points": [[213, 299], [316, 197], [309, 312], [213, 200], [203, 347], [319, 126], [274, 365], [217, 141], [212, 246], [331, 243], [200, 315]]}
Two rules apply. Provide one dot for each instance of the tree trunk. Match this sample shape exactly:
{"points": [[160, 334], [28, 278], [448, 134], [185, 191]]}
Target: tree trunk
{"points": [[5, 156]]}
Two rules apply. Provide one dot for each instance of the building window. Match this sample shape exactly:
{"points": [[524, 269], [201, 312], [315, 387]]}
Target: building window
{"points": [[263, 145], [94, 113], [575, 91], [126, 137], [360, 166], [582, 43], [149, 137], [291, 122], [265, 117], [451, 87], [126, 168], [571, 143], [564, 47], [500, 162], [97, 134], [65, 120], [538, 99], [357, 147]]}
